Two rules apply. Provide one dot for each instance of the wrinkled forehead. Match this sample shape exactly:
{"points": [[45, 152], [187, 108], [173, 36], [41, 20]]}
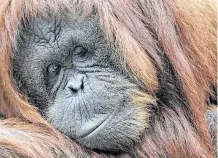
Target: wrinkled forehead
{"points": [[62, 31], [51, 26]]}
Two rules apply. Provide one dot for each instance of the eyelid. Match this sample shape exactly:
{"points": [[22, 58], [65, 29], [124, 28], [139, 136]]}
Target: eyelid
{"points": [[80, 54], [80, 51], [56, 69]]}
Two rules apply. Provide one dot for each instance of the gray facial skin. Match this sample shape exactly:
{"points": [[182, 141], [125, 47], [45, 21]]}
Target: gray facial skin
{"points": [[67, 70]]}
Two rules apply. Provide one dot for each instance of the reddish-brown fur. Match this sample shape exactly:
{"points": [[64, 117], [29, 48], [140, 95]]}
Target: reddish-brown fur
{"points": [[184, 30]]}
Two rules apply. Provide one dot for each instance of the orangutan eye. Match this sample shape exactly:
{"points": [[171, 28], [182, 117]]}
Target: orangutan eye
{"points": [[80, 52], [53, 69]]}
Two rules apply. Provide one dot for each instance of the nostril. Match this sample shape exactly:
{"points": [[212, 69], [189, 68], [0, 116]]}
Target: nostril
{"points": [[73, 90], [75, 86], [82, 85], [82, 82], [76, 83]]}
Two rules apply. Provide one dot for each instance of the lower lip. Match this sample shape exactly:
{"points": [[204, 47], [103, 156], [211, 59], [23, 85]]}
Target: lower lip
{"points": [[94, 129]]}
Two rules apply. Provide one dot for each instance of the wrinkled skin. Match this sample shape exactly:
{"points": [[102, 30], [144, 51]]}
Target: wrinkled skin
{"points": [[69, 72]]}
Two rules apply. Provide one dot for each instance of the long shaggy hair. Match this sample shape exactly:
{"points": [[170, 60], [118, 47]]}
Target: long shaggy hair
{"points": [[154, 37]]}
